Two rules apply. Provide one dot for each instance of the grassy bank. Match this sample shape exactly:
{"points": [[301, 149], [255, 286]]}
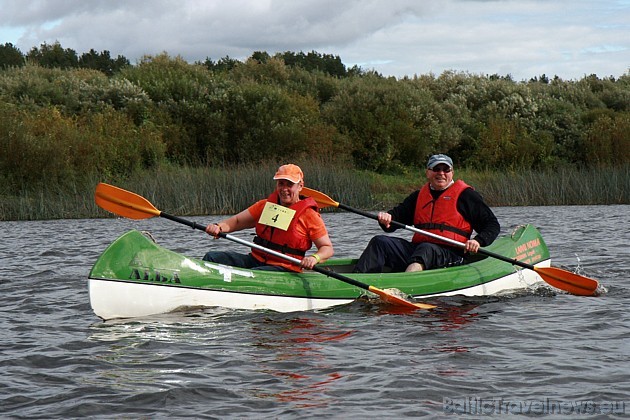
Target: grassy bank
{"points": [[183, 191], [563, 186], [187, 192]]}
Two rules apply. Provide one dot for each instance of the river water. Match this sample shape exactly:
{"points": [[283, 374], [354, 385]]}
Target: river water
{"points": [[536, 353]]}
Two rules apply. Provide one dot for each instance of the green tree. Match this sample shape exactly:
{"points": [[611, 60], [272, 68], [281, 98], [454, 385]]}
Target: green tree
{"points": [[506, 144], [10, 56], [224, 64], [53, 56], [262, 122], [260, 56], [606, 141], [314, 61], [103, 62], [389, 123]]}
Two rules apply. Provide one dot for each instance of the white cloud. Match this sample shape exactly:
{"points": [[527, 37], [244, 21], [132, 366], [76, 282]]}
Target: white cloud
{"points": [[525, 38]]}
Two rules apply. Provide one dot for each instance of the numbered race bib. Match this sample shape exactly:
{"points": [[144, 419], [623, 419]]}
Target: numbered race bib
{"points": [[275, 215]]}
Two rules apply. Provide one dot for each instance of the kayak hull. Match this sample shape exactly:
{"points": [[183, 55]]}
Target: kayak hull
{"points": [[135, 277]]}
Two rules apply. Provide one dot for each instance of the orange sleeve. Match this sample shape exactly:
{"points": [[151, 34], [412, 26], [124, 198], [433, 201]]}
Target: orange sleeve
{"points": [[257, 208], [313, 225]]}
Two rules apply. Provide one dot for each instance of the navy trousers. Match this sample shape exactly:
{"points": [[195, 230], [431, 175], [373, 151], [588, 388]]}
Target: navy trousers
{"points": [[397, 253]]}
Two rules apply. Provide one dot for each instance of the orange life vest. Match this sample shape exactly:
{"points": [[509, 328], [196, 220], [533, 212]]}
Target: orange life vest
{"points": [[285, 241], [440, 216]]}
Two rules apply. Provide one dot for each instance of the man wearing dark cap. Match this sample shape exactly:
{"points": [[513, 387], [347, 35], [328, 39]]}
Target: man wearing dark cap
{"points": [[442, 206]]}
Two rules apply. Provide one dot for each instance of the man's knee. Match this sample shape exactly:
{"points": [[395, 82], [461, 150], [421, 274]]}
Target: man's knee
{"points": [[377, 238], [379, 241], [209, 256]]}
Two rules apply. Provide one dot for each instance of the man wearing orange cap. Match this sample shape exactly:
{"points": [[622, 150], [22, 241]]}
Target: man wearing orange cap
{"points": [[284, 222]]}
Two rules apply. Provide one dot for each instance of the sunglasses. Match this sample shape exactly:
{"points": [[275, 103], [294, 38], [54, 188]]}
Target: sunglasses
{"points": [[444, 169]]}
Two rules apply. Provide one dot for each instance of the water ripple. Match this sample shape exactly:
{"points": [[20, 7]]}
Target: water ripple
{"points": [[364, 360]]}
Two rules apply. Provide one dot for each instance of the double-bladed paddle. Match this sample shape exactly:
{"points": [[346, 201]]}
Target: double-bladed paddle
{"points": [[558, 278], [128, 204]]}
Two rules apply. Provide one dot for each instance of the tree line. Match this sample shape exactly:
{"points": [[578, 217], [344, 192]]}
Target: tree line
{"points": [[55, 56], [65, 117]]}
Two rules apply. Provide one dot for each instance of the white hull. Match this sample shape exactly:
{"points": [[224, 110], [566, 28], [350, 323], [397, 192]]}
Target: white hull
{"points": [[521, 279], [119, 299]]}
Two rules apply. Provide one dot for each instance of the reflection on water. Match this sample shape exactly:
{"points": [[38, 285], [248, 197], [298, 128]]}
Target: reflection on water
{"points": [[453, 317], [294, 341]]}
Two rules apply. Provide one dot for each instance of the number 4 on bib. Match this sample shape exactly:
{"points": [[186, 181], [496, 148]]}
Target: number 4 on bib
{"points": [[276, 216]]}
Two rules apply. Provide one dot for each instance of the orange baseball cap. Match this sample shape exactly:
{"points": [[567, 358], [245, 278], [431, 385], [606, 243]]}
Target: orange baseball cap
{"points": [[290, 172]]}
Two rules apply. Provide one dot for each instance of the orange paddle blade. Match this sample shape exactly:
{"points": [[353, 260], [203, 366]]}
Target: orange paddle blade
{"points": [[322, 199], [124, 203], [395, 300], [567, 281]]}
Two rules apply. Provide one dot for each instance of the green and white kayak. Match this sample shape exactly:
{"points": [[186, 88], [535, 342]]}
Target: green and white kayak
{"points": [[136, 277]]}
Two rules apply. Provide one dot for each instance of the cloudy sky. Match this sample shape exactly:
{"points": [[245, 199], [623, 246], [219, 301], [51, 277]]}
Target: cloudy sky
{"points": [[523, 38]]}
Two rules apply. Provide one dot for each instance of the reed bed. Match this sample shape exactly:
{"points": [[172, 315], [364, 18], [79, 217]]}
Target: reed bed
{"points": [[198, 191], [186, 191], [202, 191], [564, 186]]}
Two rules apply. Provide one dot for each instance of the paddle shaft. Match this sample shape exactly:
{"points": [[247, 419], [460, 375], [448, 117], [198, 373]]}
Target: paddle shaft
{"points": [[441, 238], [268, 251]]}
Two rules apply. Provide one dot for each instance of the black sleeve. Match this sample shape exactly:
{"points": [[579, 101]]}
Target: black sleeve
{"points": [[403, 212], [471, 205]]}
